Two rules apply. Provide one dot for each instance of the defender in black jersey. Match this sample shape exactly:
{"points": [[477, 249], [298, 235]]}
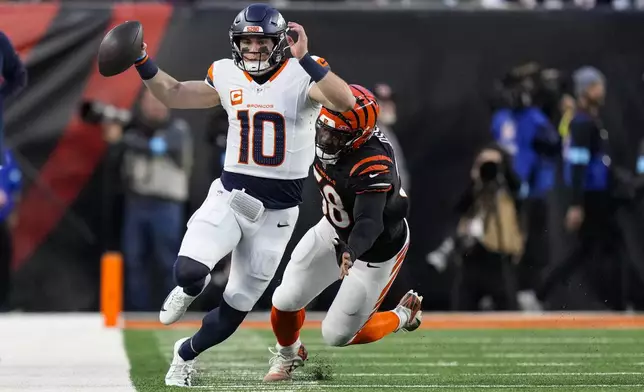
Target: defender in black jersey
{"points": [[362, 238]]}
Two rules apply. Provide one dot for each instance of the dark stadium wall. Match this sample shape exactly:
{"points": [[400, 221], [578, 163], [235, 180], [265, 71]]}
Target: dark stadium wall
{"points": [[442, 65]]}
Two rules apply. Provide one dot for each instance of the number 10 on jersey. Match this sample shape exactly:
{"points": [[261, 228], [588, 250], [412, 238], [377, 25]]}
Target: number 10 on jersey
{"points": [[257, 125]]}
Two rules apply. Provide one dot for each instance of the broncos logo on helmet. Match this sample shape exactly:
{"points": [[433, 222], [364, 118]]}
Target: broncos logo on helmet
{"points": [[337, 133], [260, 21]]}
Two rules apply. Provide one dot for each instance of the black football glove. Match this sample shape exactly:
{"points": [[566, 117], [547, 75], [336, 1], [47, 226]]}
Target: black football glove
{"points": [[340, 248]]}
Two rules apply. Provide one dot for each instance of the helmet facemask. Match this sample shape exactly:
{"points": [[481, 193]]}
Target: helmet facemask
{"points": [[272, 56], [330, 142]]}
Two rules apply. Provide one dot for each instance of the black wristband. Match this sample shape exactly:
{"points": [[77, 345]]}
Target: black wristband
{"points": [[315, 70], [146, 68]]}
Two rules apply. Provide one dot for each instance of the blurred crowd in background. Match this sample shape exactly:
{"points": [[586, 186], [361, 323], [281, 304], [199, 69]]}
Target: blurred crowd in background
{"points": [[486, 4], [545, 200]]}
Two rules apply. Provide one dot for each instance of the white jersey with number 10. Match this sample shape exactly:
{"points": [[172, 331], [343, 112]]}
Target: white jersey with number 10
{"points": [[271, 127]]}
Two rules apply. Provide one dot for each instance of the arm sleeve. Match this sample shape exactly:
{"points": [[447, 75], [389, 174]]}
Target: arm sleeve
{"points": [[367, 215], [578, 156], [13, 71]]}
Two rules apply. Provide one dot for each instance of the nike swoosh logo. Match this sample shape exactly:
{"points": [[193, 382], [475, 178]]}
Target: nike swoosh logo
{"points": [[369, 265], [373, 175], [282, 225]]}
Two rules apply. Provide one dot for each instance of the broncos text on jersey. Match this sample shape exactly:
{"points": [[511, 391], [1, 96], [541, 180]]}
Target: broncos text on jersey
{"points": [[370, 168]]}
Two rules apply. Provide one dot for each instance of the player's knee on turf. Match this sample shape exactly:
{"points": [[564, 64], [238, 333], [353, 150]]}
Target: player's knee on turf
{"points": [[344, 319], [187, 271], [335, 335]]}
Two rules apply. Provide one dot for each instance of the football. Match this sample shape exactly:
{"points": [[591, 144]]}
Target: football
{"points": [[120, 47]]}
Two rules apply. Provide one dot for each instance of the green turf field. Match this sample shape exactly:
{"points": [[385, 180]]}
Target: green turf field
{"points": [[473, 360]]}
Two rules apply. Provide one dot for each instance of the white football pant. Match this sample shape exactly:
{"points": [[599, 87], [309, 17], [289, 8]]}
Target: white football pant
{"points": [[313, 268], [214, 230]]}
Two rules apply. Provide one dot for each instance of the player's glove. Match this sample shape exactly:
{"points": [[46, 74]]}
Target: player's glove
{"points": [[341, 248]]}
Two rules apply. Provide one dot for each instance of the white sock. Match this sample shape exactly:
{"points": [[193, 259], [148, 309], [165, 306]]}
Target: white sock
{"points": [[290, 350], [403, 316]]}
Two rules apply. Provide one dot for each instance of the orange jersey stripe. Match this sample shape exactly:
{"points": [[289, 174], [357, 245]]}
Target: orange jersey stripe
{"points": [[278, 71], [370, 159], [323, 174], [210, 73], [394, 273]]}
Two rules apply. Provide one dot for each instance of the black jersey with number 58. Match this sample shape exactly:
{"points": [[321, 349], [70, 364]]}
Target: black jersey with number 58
{"points": [[370, 168]]}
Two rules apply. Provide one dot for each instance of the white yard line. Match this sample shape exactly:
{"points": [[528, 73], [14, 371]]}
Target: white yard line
{"points": [[228, 377], [230, 347], [254, 365], [61, 352], [526, 341], [539, 374], [244, 353], [303, 386], [563, 355]]}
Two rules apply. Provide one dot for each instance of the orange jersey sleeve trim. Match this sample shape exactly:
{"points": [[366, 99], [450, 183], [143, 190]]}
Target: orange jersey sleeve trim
{"points": [[370, 159]]}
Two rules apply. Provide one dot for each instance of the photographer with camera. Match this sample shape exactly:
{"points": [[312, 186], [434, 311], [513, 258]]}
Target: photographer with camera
{"points": [[489, 239], [154, 153]]}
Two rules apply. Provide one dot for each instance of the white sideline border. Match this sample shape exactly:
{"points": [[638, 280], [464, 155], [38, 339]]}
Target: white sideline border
{"points": [[58, 352]]}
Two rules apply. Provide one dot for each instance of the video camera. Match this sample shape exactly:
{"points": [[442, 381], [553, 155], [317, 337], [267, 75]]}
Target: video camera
{"points": [[530, 85], [95, 112]]}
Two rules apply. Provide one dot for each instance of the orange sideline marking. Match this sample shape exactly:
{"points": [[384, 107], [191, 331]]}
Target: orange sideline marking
{"points": [[456, 321]]}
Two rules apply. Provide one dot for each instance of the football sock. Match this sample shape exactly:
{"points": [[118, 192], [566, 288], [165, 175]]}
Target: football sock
{"points": [[216, 327], [287, 325], [191, 275], [379, 326]]}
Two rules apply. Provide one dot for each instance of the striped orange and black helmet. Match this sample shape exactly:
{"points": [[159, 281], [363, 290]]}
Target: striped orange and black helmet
{"points": [[338, 132]]}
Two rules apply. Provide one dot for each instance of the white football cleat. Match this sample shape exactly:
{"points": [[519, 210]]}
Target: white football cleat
{"points": [[284, 363], [180, 372], [408, 310], [176, 304]]}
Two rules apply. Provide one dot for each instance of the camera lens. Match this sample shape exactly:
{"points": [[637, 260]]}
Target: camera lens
{"points": [[488, 171]]}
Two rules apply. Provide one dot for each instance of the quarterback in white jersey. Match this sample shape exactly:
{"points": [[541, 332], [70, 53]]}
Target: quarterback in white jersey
{"points": [[272, 104], [276, 119]]}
